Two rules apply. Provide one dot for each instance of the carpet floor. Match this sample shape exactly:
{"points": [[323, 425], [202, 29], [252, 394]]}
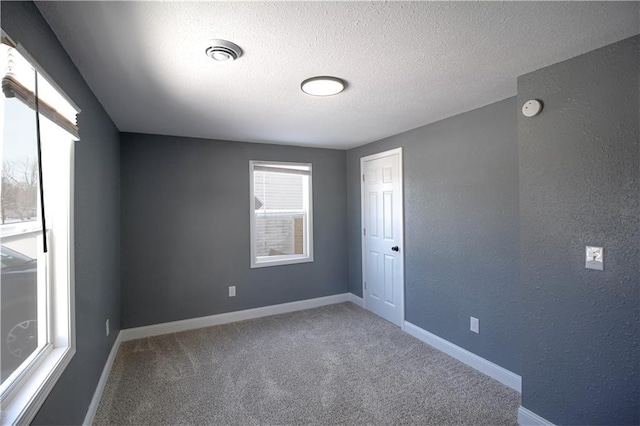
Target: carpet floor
{"points": [[337, 364]]}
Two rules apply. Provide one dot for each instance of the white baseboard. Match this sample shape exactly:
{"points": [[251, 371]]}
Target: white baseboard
{"points": [[529, 418], [501, 374], [97, 395], [356, 300], [194, 323]]}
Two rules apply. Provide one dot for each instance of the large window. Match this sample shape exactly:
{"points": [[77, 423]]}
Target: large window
{"points": [[36, 285], [281, 213]]}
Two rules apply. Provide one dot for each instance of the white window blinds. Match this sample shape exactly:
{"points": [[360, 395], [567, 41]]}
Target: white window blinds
{"points": [[18, 81]]}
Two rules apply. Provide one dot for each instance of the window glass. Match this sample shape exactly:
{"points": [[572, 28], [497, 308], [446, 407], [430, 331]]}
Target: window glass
{"points": [[21, 243]]}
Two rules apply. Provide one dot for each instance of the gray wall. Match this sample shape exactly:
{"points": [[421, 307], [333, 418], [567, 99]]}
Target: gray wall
{"points": [[461, 228], [579, 185], [97, 219], [185, 229]]}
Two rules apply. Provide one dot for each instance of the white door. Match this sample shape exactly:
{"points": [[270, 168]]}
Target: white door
{"points": [[382, 235]]}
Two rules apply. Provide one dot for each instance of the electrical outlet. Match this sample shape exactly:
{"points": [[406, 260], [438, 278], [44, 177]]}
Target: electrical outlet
{"points": [[474, 325], [594, 258], [232, 291], [107, 326]]}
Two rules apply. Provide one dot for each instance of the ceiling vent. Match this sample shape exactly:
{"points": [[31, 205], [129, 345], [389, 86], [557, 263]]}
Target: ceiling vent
{"points": [[222, 50]]}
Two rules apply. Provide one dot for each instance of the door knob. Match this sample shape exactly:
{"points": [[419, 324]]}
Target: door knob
{"points": [[395, 248]]}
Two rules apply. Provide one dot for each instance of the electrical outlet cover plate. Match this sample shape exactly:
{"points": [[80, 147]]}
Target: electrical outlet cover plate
{"points": [[594, 258], [232, 291]]}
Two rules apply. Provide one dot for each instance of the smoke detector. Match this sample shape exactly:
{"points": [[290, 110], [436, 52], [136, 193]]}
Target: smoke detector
{"points": [[223, 50]]}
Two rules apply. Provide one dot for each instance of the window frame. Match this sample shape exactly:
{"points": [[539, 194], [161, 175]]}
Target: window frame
{"points": [[24, 396], [289, 259]]}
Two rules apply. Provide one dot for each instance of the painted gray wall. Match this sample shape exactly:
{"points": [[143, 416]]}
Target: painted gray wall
{"points": [[185, 229], [97, 219], [579, 185], [461, 228]]}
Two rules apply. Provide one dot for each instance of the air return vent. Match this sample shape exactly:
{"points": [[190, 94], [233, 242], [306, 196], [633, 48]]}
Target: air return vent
{"points": [[222, 50]]}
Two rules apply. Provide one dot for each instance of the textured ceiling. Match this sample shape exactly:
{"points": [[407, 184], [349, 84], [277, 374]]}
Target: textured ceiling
{"points": [[407, 63]]}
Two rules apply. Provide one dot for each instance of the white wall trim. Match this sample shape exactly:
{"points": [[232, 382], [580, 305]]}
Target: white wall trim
{"points": [[97, 395], [190, 324], [501, 374], [356, 300], [529, 418]]}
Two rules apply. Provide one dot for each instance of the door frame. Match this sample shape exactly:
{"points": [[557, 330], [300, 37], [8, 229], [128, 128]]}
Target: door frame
{"points": [[401, 233]]}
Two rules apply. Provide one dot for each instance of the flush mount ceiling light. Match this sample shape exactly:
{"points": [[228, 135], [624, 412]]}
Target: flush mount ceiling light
{"points": [[323, 86], [222, 50]]}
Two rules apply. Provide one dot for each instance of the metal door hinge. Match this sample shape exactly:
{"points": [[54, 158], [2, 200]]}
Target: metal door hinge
{"points": [[365, 285], [363, 178], [364, 231]]}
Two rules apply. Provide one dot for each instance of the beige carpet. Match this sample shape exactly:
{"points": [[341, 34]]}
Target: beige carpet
{"points": [[337, 364]]}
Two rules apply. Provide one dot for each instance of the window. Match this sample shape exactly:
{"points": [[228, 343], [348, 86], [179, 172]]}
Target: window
{"points": [[281, 213], [36, 286]]}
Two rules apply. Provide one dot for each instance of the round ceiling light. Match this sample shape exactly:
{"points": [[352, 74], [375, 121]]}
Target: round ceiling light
{"points": [[323, 86], [222, 50]]}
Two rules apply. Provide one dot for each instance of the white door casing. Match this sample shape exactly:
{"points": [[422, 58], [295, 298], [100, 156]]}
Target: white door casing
{"points": [[383, 235]]}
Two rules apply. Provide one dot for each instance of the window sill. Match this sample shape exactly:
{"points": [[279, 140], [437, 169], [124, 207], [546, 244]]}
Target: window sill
{"points": [[280, 262], [27, 400]]}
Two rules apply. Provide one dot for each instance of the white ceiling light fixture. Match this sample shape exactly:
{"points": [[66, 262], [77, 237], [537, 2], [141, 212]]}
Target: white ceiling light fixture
{"points": [[223, 50], [323, 86]]}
